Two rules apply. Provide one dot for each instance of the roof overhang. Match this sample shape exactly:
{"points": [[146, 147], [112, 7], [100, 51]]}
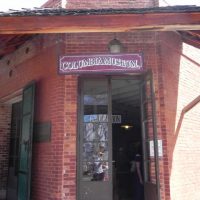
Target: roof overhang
{"points": [[102, 21], [16, 27]]}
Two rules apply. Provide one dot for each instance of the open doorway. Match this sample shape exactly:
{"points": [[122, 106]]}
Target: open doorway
{"points": [[14, 151], [116, 123], [20, 148], [126, 138]]}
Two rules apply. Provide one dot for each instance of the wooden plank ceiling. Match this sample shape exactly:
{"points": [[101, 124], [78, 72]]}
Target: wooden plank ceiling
{"points": [[9, 43]]}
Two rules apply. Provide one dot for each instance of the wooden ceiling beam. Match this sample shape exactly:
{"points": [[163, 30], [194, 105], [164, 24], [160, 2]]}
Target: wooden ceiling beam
{"points": [[99, 23], [191, 37], [193, 42], [194, 33]]}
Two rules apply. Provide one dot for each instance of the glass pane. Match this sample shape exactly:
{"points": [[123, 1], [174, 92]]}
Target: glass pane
{"points": [[95, 161], [94, 110], [98, 99], [95, 87], [94, 151], [95, 118], [27, 103], [95, 131], [97, 171]]}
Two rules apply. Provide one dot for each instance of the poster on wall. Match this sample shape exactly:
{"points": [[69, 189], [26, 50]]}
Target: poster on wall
{"points": [[160, 148], [105, 63], [95, 151]]}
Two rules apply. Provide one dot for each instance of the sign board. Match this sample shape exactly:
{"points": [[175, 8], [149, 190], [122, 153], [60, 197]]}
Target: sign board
{"points": [[116, 119], [151, 148], [42, 132], [109, 63]]}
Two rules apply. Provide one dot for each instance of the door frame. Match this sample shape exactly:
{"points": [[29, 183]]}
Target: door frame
{"points": [[80, 129], [21, 171], [16, 101], [148, 76], [80, 92], [9, 100]]}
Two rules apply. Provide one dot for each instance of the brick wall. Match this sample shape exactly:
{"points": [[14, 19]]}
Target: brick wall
{"points": [[52, 4], [5, 120], [98, 4], [70, 135], [37, 60], [176, 85], [54, 163], [85, 43], [181, 90]]}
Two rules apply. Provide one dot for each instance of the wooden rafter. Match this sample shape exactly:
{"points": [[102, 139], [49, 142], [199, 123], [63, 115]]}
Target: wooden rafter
{"points": [[194, 33], [191, 37], [9, 43]]}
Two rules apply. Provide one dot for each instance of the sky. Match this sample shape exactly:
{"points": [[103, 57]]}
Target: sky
{"points": [[179, 2], [18, 4]]}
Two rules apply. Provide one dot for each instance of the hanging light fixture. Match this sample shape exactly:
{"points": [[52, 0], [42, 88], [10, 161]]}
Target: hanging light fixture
{"points": [[126, 126], [115, 46]]}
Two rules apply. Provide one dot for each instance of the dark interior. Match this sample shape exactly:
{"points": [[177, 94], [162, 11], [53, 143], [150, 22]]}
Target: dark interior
{"points": [[13, 151], [125, 102]]}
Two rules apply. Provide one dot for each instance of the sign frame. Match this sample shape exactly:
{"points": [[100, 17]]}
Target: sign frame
{"points": [[101, 63]]}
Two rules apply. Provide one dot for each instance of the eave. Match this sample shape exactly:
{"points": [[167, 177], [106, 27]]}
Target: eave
{"points": [[16, 27], [114, 21]]}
